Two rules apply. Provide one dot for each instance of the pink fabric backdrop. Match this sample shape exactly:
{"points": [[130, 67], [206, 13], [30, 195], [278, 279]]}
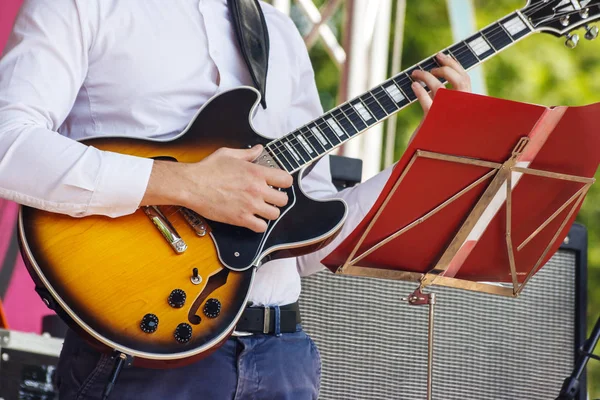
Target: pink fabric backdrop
{"points": [[24, 309]]}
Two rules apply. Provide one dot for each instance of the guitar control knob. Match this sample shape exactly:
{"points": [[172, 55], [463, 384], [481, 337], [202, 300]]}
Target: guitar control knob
{"points": [[591, 32], [149, 323], [176, 298], [183, 333], [572, 40], [212, 308]]}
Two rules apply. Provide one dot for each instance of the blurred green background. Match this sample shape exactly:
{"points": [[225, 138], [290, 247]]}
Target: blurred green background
{"points": [[539, 69]]}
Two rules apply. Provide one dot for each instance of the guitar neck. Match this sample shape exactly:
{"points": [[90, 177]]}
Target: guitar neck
{"points": [[334, 128]]}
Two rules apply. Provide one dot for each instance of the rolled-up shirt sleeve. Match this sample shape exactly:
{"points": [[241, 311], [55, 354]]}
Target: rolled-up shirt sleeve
{"points": [[317, 183], [41, 72]]}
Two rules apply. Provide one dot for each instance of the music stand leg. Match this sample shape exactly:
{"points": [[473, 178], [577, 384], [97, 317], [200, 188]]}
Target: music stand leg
{"points": [[418, 298], [571, 385]]}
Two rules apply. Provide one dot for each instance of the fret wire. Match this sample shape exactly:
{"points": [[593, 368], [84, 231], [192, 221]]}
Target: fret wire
{"points": [[322, 125], [312, 139], [501, 35], [378, 102], [507, 32], [316, 125], [357, 120], [387, 96], [328, 132], [349, 120], [358, 112], [291, 150], [286, 160], [339, 124], [488, 42], [309, 144], [305, 154], [287, 149], [345, 123], [400, 89], [468, 48]]}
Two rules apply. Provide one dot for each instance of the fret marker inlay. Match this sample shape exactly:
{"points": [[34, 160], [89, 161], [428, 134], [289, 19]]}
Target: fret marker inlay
{"points": [[292, 151], [395, 93], [319, 135], [336, 128], [362, 111], [479, 46], [514, 26], [304, 144]]}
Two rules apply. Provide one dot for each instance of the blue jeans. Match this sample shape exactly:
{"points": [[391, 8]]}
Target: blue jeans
{"points": [[255, 367]]}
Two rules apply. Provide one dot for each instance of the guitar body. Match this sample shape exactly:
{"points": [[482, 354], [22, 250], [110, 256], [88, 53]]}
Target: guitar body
{"points": [[105, 275]]}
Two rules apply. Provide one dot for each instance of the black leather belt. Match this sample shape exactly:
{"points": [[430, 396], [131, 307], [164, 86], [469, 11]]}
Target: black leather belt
{"points": [[262, 319]]}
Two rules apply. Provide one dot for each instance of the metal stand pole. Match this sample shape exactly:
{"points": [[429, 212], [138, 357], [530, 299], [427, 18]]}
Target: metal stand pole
{"points": [[418, 298], [570, 386]]}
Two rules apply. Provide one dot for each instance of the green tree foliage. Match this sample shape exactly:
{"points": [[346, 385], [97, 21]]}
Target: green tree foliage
{"points": [[539, 69]]}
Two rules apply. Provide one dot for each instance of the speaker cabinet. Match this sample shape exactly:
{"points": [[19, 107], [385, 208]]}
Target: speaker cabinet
{"points": [[374, 346]]}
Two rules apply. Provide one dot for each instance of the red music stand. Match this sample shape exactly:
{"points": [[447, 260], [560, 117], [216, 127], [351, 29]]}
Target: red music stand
{"points": [[481, 199]]}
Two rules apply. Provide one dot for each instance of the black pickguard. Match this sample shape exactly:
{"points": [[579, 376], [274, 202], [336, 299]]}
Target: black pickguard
{"points": [[303, 222]]}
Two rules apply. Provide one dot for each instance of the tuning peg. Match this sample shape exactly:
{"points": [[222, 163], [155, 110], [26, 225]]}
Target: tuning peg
{"points": [[564, 20], [572, 40], [584, 13], [591, 32]]}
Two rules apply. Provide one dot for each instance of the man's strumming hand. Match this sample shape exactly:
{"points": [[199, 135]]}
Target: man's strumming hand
{"points": [[226, 187]]}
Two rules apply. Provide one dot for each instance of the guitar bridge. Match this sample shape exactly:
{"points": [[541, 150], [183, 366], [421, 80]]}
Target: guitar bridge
{"points": [[194, 221]]}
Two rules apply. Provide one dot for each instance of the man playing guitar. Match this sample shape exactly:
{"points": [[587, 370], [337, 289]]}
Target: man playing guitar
{"points": [[77, 69]]}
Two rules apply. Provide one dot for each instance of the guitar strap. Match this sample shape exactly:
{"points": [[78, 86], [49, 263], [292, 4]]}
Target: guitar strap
{"points": [[253, 39]]}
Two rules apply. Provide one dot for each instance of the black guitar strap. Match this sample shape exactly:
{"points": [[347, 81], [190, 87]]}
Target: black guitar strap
{"points": [[253, 38]]}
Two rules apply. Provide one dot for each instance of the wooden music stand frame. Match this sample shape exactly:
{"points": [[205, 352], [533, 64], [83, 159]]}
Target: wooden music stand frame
{"points": [[500, 175]]}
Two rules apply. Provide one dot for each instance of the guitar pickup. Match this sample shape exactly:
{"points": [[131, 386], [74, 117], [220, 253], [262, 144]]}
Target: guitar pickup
{"points": [[194, 221], [165, 228]]}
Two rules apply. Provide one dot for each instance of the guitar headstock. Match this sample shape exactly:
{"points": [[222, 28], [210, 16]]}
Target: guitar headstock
{"points": [[561, 17]]}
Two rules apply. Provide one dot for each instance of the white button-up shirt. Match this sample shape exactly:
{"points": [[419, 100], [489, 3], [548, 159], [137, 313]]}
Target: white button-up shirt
{"points": [[75, 69]]}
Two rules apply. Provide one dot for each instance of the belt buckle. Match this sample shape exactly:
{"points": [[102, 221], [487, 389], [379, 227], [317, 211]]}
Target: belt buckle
{"points": [[266, 324], [267, 319]]}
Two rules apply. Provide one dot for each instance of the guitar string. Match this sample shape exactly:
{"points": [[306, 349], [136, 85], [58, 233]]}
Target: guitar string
{"points": [[278, 148]]}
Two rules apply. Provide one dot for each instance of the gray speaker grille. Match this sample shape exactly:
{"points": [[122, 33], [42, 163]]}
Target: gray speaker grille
{"points": [[374, 346]]}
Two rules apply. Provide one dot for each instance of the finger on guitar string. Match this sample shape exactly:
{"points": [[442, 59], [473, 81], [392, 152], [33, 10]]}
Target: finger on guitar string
{"points": [[424, 98], [276, 177], [267, 211], [453, 72], [275, 197], [450, 71]]}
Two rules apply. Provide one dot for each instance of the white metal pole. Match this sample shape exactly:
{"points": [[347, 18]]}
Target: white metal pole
{"points": [[462, 21], [355, 79], [378, 62], [390, 140]]}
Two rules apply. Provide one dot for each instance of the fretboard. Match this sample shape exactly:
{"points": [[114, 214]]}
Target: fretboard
{"points": [[320, 136]]}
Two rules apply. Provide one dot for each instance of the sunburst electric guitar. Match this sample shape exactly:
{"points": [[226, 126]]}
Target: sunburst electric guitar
{"points": [[163, 285]]}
